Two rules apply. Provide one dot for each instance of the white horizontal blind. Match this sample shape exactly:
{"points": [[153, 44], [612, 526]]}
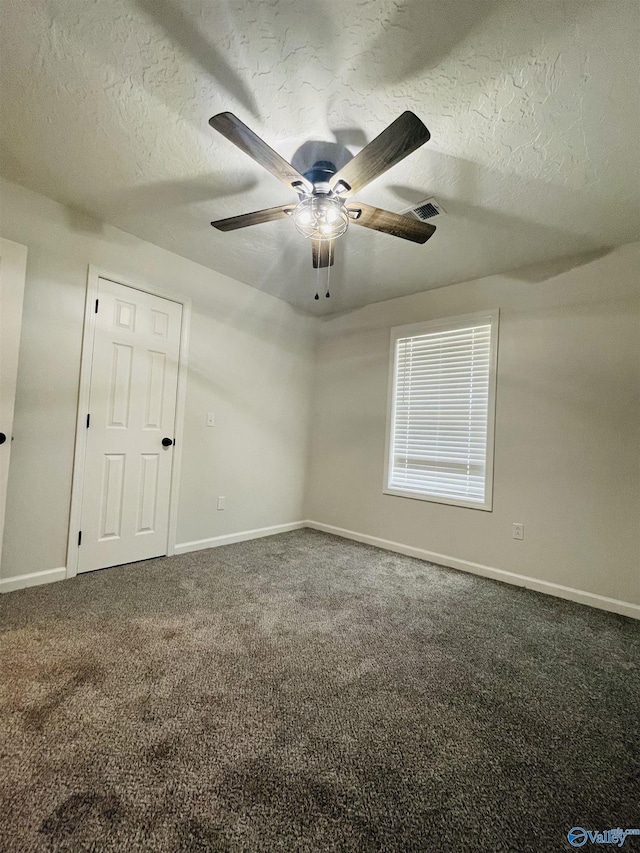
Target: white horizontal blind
{"points": [[441, 413]]}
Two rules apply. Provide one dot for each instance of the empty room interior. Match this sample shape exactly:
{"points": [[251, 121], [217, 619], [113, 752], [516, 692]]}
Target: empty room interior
{"points": [[319, 425]]}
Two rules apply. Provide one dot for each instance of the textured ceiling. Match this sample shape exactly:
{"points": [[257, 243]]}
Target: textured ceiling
{"points": [[533, 108]]}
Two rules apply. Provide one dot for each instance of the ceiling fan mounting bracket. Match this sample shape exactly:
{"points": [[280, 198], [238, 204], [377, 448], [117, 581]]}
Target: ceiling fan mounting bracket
{"points": [[302, 188], [341, 187]]}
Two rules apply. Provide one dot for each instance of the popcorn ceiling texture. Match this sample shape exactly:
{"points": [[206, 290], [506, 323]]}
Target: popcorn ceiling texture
{"points": [[533, 109]]}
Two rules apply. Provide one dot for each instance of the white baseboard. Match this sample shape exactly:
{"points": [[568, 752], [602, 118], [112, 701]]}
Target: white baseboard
{"points": [[51, 575], [243, 536], [33, 579], [613, 605]]}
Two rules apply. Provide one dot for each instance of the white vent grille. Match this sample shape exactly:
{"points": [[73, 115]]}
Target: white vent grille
{"points": [[426, 209]]}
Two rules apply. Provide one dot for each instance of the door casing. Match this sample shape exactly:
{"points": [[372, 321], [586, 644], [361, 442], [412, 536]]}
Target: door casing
{"points": [[14, 262], [93, 276]]}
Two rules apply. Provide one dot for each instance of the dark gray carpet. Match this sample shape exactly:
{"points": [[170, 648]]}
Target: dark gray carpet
{"points": [[306, 693]]}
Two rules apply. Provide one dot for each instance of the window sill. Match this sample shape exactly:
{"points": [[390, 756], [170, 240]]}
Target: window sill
{"points": [[486, 506]]}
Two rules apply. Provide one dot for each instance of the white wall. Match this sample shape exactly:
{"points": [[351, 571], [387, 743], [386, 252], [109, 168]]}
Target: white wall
{"points": [[249, 362], [567, 443], [567, 460]]}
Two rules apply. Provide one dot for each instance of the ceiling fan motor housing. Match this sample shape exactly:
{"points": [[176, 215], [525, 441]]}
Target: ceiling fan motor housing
{"points": [[321, 173]]}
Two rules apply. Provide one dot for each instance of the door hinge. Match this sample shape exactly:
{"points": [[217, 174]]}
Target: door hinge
{"points": [[97, 300], [79, 538], [88, 420]]}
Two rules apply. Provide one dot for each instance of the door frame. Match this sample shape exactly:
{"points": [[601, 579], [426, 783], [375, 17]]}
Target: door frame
{"points": [[94, 274], [14, 261]]}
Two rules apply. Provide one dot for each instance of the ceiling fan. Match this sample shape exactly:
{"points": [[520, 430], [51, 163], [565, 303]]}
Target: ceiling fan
{"points": [[324, 211]]}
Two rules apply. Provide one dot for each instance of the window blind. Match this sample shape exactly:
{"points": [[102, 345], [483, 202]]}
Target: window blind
{"points": [[441, 413]]}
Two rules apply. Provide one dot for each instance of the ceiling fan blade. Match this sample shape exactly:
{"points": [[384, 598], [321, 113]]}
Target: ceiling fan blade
{"points": [[395, 143], [237, 132], [322, 251], [391, 223], [255, 218]]}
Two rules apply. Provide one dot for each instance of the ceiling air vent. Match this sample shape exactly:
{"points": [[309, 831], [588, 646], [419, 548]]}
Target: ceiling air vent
{"points": [[426, 209]]}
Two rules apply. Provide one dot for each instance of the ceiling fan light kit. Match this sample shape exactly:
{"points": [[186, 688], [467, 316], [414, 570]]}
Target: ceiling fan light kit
{"points": [[323, 213], [321, 217]]}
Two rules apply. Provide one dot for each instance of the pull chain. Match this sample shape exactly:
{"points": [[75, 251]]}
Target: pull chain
{"points": [[327, 294]]}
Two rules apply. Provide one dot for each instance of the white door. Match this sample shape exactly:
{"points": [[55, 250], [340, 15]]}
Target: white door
{"points": [[131, 424], [13, 263]]}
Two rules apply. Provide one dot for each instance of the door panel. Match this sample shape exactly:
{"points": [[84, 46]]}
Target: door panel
{"points": [[149, 470], [134, 374], [121, 367], [13, 263], [155, 389], [112, 495]]}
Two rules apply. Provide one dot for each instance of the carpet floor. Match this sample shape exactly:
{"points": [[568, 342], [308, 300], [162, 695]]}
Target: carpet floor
{"points": [[307, 693]]}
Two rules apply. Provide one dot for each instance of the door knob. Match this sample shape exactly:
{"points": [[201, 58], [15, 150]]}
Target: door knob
{"points": [[3, 438], [167, 442]]}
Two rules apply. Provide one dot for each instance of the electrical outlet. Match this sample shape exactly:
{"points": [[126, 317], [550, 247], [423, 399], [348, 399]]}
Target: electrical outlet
{"points": [[221, 502], [518, 531], [211, 419]]}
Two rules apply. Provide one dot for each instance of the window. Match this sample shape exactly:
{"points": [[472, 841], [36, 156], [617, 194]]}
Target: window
{"points": [[440, 432]]}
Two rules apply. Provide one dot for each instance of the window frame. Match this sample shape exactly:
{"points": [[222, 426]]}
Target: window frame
{"points": [[425, 327]]}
